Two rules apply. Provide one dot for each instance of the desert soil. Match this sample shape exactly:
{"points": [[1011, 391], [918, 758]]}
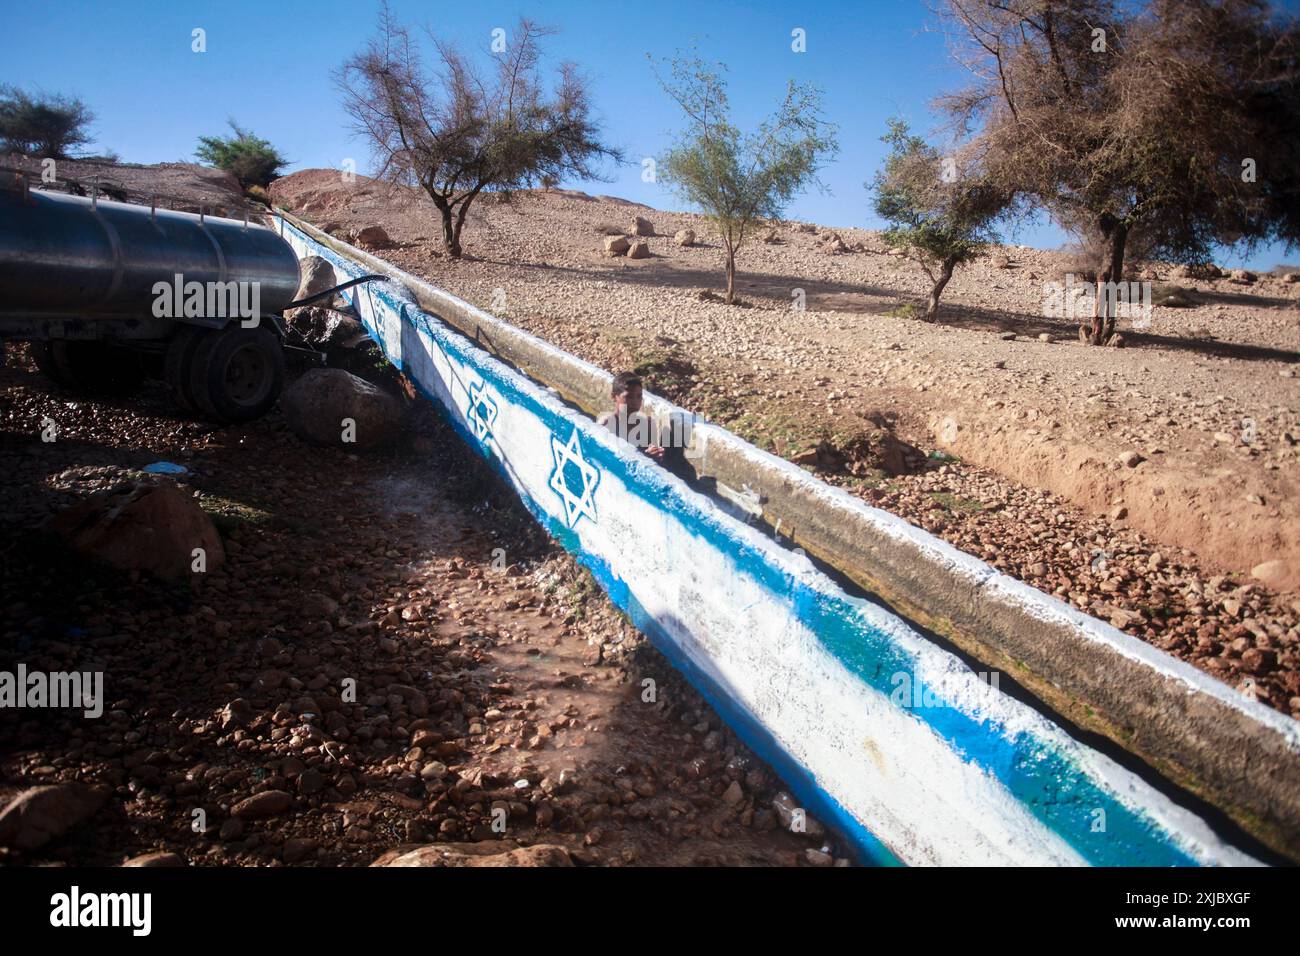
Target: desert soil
{"points": [[1152, 485], [490, 672]]}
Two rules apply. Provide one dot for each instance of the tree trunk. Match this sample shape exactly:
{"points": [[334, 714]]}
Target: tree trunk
{"points": [[450, 234], [460, 222], [731, 275], [1105, 307], [932, 307]]}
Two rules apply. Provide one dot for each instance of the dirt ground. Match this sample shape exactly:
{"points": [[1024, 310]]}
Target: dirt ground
{"points": [[490, 672], [1153, 485]]}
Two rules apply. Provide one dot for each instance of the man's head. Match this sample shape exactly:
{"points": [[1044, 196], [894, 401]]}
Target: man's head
{"points": [[626, 391]]}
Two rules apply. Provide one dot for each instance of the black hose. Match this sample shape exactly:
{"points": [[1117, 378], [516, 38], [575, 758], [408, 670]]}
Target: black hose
{"points": [[338, 288]]}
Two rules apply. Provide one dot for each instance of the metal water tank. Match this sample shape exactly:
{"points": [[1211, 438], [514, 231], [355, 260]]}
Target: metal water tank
{"points": [[70, 256]]}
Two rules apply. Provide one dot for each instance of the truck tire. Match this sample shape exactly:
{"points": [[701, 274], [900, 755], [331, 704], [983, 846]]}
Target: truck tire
{"points": [[44, 359], [179, 362], [100, 368], [236, 373]]}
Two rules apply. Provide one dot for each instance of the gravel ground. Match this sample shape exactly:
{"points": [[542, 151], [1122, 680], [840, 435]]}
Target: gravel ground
{"points": [[490, 672]]}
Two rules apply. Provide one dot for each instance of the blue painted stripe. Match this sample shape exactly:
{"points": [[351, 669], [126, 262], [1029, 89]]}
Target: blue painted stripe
{"points": [[1046, 780]]}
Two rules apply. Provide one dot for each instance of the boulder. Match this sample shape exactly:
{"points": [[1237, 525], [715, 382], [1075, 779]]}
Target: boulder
{"points": [[268, 803], [1000, 261], [314, 275], [1241, 276], [324, 328], [639, 250], [642, 227], [319, 406], [491, 853], [616, 246], [1274, 574], [151, 526], [685, 237], [40, 814], [371, 237]]}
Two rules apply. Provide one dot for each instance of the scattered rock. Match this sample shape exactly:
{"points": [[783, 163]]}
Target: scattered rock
{"points": [[41, 814], [1130, 459], [1274, 574], [160, 859], [268, 803], [297, 849], [490, 853], [833, 245]]}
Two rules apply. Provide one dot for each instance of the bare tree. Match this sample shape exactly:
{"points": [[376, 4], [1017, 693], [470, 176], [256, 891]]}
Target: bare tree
{"points": [[741, 180], [460, 130], [1169, 117]]}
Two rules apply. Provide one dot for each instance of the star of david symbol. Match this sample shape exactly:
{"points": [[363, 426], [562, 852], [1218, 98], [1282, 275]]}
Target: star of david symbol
{"points": [[574, 479], [482, 412]]}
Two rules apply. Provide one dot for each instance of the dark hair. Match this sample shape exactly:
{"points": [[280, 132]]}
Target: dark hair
{"points": [[624, 381]]}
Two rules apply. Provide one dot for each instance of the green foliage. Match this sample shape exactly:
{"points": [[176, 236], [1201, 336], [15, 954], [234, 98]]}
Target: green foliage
{"points": [[930, 220], [251, 159], [740, 180], [44, 124], [938, 217]]}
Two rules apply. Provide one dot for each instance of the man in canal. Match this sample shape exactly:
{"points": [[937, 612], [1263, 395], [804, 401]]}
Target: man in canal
{"points": [[627, 421]]}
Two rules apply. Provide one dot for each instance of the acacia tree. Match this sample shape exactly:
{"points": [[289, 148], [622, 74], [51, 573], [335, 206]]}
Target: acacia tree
{"points": [[42, 124], [741, 180], [1169, 116], [940, 215], [459, 130], [249, 158]]}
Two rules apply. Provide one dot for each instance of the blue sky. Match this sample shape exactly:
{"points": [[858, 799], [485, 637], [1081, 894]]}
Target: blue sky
{"points": [[268, 65]]}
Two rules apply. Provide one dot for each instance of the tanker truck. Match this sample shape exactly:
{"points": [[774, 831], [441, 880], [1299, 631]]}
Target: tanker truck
{"points": [[111, 293]]}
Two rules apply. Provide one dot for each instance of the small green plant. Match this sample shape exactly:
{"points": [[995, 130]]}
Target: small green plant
{"points": [[905, 310], [955, 502], [249, 158]]}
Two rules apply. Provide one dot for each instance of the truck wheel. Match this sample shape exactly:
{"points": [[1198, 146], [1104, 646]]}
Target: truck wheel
{"points": [[179, 362], [43, 356], [236, 374], [94, 367]]}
